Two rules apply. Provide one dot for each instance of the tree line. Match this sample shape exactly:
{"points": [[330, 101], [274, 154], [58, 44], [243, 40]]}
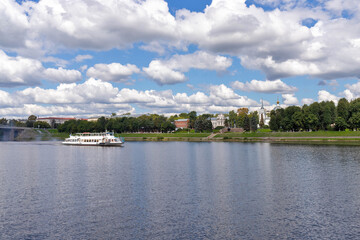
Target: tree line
{"points": [[243, 119], [317, 116], [143, 123]]}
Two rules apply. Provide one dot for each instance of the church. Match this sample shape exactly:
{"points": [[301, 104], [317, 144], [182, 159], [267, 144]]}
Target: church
{"points": [[264, 115]]}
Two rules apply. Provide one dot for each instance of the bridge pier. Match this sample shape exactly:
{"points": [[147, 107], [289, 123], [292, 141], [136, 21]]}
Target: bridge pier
{"points": [[9, 134]]}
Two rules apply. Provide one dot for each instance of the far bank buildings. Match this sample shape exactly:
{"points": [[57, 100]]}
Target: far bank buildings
{"points": [[220, 119]]}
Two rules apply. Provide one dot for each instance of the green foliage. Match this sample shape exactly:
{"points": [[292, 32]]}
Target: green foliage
{"points": [[340, 124], [32, 118], [246, 125], [253, 123], [192, 118], [144, 123], [41, 124], [317, 116], [343, 108], [355, 120], [3, 121], [232, 118], [203, 124]]}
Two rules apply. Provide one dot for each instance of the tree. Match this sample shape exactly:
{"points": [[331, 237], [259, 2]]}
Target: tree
{"points": [[355, 120], [202, 124], [32, 118], [343, 108], [310, 121], [192, 118], [273, 121], [100, 124], [184, 115], [167, 127], [297, 121], [242, 111], [246, 123], [253, 123], [41, 124], [232, 118], [261, 123], [340, 124], [3, 121]]}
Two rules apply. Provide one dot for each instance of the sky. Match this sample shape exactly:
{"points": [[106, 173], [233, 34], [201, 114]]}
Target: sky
{"points": [[89, 58]]}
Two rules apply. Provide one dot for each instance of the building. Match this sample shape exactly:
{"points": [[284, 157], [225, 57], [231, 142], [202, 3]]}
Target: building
{"points": [[52, 121], [263, 114], [218, 121], [182, 123], [93, 119], [277, 105]]}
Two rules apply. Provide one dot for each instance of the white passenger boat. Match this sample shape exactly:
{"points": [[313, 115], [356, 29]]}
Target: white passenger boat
{"points": [[94, 139]]}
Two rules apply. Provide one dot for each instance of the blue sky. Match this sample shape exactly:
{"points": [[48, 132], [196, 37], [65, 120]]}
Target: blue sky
{"points": [[154, 56]]}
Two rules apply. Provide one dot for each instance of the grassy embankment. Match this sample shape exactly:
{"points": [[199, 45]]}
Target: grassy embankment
{"points": [[342, 137], [165, 136], [262, 135], [59, 135]]}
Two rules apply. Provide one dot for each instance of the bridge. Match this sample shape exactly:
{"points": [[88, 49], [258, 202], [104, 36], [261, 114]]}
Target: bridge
{"points": [[10, 133]]}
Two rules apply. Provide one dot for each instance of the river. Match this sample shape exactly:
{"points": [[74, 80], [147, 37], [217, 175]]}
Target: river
{"points": [[179, 190]]}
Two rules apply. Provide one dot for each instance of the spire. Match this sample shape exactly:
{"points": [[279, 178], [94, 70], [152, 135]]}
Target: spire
{"points": [[262, 104], [277, 102]]}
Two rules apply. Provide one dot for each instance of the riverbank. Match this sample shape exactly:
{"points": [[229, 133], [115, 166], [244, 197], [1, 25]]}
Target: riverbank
{"points": [[319, 137]]}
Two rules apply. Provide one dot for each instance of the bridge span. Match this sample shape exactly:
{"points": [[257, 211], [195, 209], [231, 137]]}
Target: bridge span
{"points": [[11, 133]]}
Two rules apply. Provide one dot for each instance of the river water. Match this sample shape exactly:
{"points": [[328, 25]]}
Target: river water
{"points": [[179, 190]]}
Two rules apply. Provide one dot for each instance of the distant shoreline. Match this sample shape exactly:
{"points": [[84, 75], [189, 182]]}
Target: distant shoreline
{"points": [[319, 137], [296, 140]]}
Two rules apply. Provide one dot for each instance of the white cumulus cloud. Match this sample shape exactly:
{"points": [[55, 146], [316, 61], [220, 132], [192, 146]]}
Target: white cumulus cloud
{"points": [[267, 86], [162, 74], [62, 75], [114, 72], [290, 99], [171, 71], [326, 96], [80, 58]]}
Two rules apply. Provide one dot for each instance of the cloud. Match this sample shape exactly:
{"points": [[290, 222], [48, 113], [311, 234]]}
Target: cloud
{"points": [[352, 91], [80, 58], [20, 71], [62, 75], [326, 96], [101, 25], [114, 72], [273, 41], [94, 97], [290, 99], [307, 101], [171, 71], [267, 86], [162, 74], [199, 60], [14, 25]]}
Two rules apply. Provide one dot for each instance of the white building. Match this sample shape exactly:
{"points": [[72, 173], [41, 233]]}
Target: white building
{"points": [[54, 120], [218, 121], [264, 115]]}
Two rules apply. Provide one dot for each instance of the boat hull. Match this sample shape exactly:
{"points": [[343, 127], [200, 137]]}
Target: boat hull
{"points": [[105, 139], [94, 144]]}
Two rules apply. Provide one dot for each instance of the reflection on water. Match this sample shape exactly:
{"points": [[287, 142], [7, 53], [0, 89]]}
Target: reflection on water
{"points": [[179, 190]]}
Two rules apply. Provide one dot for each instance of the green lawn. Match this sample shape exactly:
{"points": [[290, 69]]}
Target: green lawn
{"points": [[153, 135], [55, 133], [260, 133], [293, 134]]}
